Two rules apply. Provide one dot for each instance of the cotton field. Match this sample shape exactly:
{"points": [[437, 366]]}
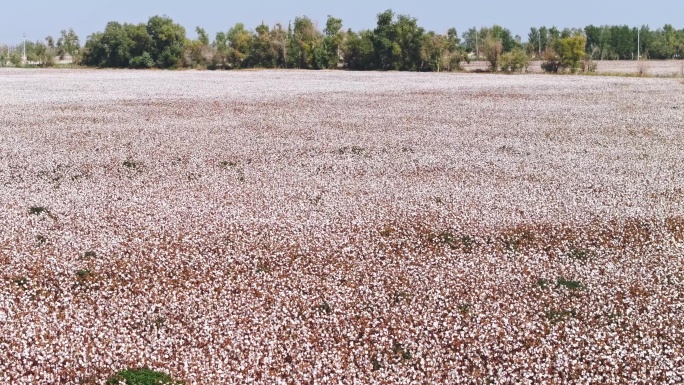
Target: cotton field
{"points": [[286, 227]]}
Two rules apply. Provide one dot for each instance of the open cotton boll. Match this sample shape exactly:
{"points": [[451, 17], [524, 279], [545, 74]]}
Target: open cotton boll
{"points": [[340, 227]]}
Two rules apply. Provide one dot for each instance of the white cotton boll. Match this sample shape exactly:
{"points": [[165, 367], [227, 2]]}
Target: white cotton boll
{"points": [[359, 227]]}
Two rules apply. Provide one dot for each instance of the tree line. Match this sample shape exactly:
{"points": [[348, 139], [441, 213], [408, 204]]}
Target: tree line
{"points": [[397, 42], [43, 52], [616, 42]]}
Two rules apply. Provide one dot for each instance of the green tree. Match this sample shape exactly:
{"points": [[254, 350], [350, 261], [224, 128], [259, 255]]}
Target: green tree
{"points": [[118, 45], [168, 41], [38, 52], [307, 47], [508, 42], [570, 51], [50, 41], [515, 61], [198, 52], [263, 52], [240, 42], [442, 52], [471, 40], [334, 37], [492, 48], [669, 44], [221, 49], [623, 41], [202, 36], [410, 38], [279, 41], [593, 35], [385, 46], [397, 44], [358, 50], [68, 44]]}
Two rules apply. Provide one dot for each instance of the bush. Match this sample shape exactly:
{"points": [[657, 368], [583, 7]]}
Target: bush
{"points": [[492, 48], [567, 53], [142, 376], [571, 50], [143, 61], [551, 61], [514, 61], [556, 316], [131, 164], [571, 285], [37, 210], [588, 65]]}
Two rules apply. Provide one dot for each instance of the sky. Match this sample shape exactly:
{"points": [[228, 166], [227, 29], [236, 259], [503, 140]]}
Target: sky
{"points": [[40, 18]]}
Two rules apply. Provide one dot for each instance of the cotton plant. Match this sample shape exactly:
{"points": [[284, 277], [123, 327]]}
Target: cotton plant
{"points": [[340, 227]]}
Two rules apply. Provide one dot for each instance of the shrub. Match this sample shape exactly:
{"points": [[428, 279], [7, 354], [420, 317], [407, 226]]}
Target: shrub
{"points": [[492, 48], [131, 164], [556, 316], [401, 351], [588, 65], [324, 307], [84, 279], [642, 68], [401, 296], [22, 282], [572, 285], [543, 283], [142, 61], [41, 239], [37, 210], [446, 237], [567, 53], [580, 254], [355, 150], [467, 242], [514, 61], [142, 376], [551, 61]]}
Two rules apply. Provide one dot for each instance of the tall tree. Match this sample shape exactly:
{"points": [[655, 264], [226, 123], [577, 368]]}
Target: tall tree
{"points": [[202, 36], [68, 43], [358, 50], [409, 37], [198, 52], [570, 51], [492, 48], [119, 45], [385, 45], [263, 52], [240, 43], [280, 45], [334, 36], [168, 39], [308, 46], [222, 49], [471, 40]]}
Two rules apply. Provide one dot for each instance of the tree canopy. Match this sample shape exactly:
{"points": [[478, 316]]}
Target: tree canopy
{"points": [[397, 42]]}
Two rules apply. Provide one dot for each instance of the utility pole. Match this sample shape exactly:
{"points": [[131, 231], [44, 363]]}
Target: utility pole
{"points": [[477, 45], [638, 44], [23, 58]]}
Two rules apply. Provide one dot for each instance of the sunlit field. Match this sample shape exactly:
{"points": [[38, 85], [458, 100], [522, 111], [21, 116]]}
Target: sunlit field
{"points": [[338, 227]]}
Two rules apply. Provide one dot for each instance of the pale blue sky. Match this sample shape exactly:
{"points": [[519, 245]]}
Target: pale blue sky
{"points": [[39, 18]]}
